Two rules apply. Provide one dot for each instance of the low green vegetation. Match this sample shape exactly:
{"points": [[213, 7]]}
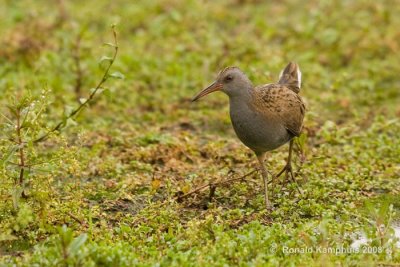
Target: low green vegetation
{"points": [[116, 183]]}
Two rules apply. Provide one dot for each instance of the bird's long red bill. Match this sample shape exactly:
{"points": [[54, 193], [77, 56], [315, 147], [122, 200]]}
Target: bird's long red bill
{"points": [[212, 88]]}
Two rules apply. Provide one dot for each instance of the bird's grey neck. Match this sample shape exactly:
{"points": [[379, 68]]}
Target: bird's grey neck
{"points": [[243, 97], [239, 105]]}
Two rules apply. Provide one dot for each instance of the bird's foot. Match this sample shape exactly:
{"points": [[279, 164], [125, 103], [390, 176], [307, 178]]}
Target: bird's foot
{"points": [[287, 170], [289, 175], [269, 207]]}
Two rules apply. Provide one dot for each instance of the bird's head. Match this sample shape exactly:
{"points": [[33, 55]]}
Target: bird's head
{"points": [[232, 81]]}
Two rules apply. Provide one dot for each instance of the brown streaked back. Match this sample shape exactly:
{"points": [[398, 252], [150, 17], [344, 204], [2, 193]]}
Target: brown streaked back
{"points": [[276, 101]]}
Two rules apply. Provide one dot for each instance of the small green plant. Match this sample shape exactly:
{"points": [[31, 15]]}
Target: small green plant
{"points": [[69, 247], [380, 231], [22, 123], [24, 127]]}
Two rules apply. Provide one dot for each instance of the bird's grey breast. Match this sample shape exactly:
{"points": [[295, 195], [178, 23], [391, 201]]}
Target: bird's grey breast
{"points": [[256, 131]]}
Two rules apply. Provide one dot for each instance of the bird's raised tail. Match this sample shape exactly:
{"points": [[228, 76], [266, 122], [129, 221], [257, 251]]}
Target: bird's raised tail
{"points": [[291, 77]]}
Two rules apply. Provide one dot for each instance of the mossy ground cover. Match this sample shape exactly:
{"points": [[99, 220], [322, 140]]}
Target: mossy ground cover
{"points": [[104, 191]]}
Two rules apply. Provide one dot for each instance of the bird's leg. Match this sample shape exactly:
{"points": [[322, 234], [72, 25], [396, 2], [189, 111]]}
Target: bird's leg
{"points": [[288, 167], [264, 176]]}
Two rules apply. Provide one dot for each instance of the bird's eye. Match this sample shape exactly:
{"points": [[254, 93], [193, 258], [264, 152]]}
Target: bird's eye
{"points": [[228, 78]]}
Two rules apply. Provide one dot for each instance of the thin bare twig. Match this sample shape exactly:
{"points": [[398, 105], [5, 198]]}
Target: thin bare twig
{"points": [[20, 151], [76, 55], [213, 186], [82, 222], [62, 123]]}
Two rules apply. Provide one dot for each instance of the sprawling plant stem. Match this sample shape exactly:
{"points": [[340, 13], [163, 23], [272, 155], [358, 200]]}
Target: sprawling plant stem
{"points": [[92, 95]]}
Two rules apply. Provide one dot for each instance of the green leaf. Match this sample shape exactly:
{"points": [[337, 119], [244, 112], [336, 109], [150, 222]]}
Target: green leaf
{"points": [[9, 154], [117, 75], [110, 44], [70, 122], [65, 235], [99, 91], [8, 119], [77, 243], [12, 110], [68, 110], [105, 58]]}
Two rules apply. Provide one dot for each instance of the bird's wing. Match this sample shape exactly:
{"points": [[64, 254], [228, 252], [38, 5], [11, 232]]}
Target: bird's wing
{"points": [[291, 77], [276, 101]]}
